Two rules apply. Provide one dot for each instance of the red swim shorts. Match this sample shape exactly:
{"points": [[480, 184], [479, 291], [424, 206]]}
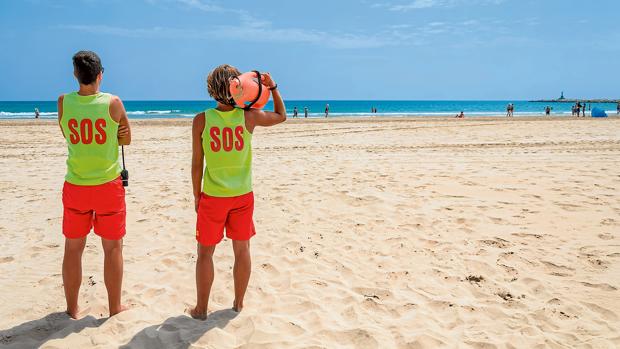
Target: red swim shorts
{"points": [[99, 206], [233, 213]]}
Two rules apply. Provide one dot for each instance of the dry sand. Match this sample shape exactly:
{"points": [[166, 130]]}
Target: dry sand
{"points": [[372, 233]]}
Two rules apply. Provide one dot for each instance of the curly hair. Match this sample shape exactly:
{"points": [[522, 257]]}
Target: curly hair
{"points": [[218, 83]]}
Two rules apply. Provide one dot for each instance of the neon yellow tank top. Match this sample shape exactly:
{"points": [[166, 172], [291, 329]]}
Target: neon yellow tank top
{"points": [[91, 136], [227, 146]]}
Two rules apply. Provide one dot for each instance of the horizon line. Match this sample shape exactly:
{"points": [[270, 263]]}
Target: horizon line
{"points": [[337, 100]]}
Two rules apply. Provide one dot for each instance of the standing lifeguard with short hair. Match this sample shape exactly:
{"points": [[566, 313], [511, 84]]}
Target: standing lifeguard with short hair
{"points": [[223, 196], [94, 124]]}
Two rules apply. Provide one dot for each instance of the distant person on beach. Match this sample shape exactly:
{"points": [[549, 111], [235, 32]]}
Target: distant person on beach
{"points": [[223, 196], [94, 124], [578, 109], [36, 113], [295, 112], [326, 110], [460, 116], [548, 110], [510, 110], [583, 113], [618, 109], [305, 112]]}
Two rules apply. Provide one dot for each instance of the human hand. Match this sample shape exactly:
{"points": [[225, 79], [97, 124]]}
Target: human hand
{"points": [[267, 80], [123, 131], [196, 202]]}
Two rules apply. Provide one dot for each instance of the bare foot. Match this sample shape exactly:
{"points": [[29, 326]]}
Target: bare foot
{"points": [[74, 313], [237, 307], [121, 309], [198, 314]]}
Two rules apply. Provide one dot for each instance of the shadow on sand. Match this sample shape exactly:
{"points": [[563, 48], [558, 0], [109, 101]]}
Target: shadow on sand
{"points": [[33, 334], [179, 332]]}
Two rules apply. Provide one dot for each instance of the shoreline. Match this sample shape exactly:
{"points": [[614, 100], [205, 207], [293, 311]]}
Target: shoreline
{"points": [[395, 118]]}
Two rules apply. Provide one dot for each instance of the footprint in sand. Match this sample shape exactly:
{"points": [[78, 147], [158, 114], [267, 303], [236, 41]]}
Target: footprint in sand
{"points": [[496, 242], [605, 313], [603, 286], [373, 293], [6, 259], [557, 270]]}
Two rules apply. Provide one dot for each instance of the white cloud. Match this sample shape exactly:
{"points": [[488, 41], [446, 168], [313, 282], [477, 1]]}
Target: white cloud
{"points": [[263, 33], [203, 6], [246, 27], [249, 28], [425, 4], [417, 4]]}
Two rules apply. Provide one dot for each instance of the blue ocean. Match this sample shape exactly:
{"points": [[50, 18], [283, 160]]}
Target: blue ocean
{"points": [[316, 108]]}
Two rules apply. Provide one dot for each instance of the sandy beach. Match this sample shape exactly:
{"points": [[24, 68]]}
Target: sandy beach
{"points": [[371, 233]]}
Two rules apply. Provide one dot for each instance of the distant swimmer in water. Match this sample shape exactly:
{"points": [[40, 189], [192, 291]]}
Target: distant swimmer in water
{"points": [[36, 113], [305, 112], [548, 110], [295, 112], [326, 110]]}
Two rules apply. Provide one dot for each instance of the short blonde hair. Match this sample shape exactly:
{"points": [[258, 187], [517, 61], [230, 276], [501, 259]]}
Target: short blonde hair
{"points": [[218, 82]]}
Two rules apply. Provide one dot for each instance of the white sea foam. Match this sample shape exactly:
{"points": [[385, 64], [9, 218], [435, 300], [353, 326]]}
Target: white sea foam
{"points": [[7, 113], [146, 112], [138, 114], [27, 115]]}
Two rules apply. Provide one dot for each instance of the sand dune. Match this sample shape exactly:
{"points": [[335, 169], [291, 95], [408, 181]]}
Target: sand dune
{"points": [[372, 233]]}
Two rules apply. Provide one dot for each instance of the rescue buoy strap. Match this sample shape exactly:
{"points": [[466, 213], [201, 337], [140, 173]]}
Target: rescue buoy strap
{"points": [[260, 91]]}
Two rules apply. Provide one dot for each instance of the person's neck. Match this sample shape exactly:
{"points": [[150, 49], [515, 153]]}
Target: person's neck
{"points": [[88, 90], [224, 107]]}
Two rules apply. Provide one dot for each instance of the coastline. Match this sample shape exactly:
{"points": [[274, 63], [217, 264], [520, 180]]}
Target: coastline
{"points": [[338, 108], [345, 119]]}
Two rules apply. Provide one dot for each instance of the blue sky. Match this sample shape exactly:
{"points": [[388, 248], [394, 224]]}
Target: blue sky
{"points": [[338, 49]]}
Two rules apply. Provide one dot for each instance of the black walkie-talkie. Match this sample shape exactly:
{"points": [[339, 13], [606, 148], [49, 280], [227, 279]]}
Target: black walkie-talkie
{"points": [[124, 172]]}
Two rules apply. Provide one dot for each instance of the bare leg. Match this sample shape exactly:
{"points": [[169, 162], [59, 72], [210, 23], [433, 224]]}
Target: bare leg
{"points": [[205, 272], [72, 273], [113, 273], [241, 271]]}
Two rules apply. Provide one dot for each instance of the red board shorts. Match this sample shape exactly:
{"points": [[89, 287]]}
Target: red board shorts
{"points": [[233, 213], [99, 206]]}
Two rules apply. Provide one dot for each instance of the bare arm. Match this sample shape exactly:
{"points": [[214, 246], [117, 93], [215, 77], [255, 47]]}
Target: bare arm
{"points": [[118, 114], [60, 100], [257, 117], [198, 126]]}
